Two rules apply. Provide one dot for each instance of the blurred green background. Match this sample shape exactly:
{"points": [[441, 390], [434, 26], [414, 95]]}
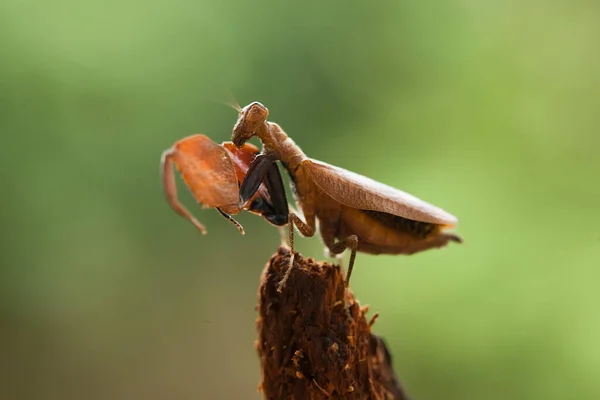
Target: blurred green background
{"points": [[487, 109]]}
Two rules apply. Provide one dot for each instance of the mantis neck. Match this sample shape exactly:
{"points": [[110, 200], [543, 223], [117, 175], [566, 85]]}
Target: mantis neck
{"points": [[277, 142]]}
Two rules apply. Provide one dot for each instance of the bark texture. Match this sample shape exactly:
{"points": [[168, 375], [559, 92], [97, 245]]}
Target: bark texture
{"points": [[314, 340]]}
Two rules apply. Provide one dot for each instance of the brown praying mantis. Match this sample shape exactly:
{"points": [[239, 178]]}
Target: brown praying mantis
{"points": [[362, 214]]}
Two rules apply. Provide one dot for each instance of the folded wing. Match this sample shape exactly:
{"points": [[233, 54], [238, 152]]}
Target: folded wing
{"points": [[358, 191]]}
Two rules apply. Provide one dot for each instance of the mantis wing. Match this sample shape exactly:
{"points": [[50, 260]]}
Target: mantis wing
{"points": [[358, 191]]}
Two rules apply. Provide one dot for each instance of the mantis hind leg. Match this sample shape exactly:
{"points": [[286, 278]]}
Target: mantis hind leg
{"points": [[306, 229], [335, 250], [351, 242]]}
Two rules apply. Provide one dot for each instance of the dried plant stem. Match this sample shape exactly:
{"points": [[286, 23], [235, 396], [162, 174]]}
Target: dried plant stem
{"points": [[314, 340]]}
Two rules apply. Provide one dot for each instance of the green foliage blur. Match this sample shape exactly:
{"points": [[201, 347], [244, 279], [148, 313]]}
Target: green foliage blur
{"points": [[488, 109]]}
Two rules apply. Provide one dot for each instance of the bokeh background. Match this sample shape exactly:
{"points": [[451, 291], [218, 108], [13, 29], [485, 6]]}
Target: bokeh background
{"points": [[488, 109]]}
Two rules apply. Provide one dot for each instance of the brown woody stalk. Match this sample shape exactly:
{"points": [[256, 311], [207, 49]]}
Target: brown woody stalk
{"points": [[314, 341]]}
